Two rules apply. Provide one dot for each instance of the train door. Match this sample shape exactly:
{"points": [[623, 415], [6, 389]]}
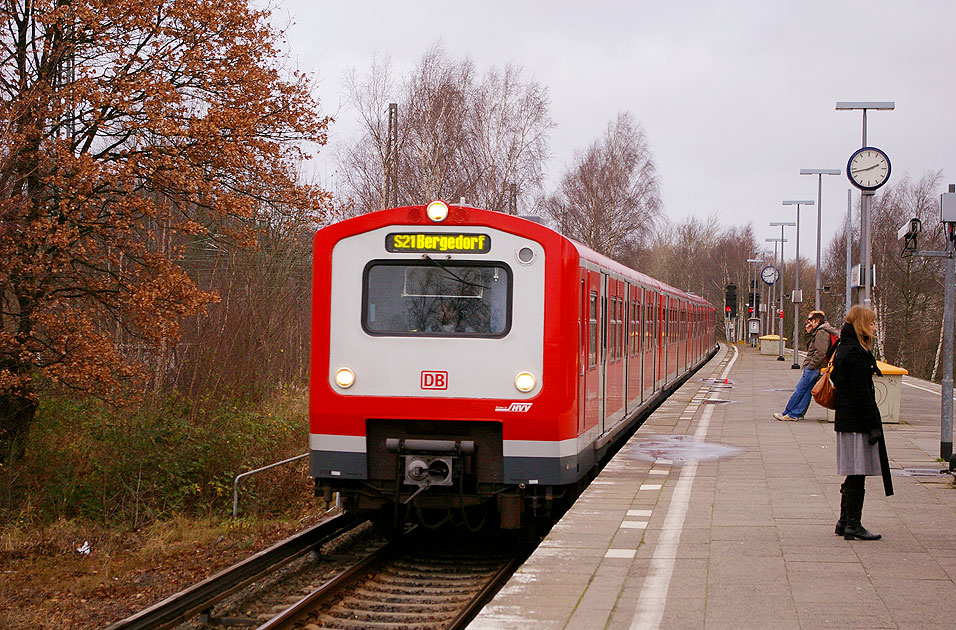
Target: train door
{"points": [[614, 373], [602, 345], [635, 363], [672, 327], [583, 317], [683, 338], [678, 336], [594, 380], [665, 340], [658, 341]]}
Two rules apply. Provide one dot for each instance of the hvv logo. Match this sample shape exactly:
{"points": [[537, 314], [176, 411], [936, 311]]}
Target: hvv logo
{"points": [[515, 407]]}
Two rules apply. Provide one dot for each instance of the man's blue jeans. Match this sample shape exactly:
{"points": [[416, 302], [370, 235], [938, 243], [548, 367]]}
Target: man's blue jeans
{"points": [[800, 399]]}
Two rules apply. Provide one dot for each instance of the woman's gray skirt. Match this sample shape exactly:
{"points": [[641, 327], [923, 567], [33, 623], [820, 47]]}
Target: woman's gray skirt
{"points": [[856, 456]]}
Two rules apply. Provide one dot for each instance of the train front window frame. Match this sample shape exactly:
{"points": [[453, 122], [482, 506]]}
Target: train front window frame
{"points": [[430, 298]]}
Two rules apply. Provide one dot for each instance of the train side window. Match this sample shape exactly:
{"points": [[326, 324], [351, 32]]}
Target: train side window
{"points": [[592, 330], [437, 299]]}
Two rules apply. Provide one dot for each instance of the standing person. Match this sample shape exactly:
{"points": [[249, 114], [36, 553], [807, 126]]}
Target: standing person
{"points": [[818, 331], [858, 426]]}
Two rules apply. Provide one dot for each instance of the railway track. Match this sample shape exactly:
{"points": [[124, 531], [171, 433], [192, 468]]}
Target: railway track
{"points": [[418, 583], [423, 580], [200, 598]]}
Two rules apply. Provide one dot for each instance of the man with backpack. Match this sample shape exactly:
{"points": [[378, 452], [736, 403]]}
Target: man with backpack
{"points": [[821, 336]]}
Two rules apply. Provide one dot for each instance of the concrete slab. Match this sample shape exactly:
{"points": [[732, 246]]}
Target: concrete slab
{"points": [[745, 539]]}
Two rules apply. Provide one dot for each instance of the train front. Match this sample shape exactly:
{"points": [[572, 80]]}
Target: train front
{"points": [[440, 390]]}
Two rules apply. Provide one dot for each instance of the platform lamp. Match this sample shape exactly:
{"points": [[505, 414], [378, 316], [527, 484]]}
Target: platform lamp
{"points": [[819, 172], [782, 225], [797, 293], [752, 291]]}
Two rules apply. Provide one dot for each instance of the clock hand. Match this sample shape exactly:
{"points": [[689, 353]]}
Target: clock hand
{"points": [[868, 168]]}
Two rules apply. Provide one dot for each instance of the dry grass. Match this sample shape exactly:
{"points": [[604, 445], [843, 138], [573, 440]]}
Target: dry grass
{"points": [[46, 583]]}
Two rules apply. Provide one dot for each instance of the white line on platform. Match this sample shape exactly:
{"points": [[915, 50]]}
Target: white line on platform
{"points": [[926, 389], [639, 512], [653, 599], [634, 525]]}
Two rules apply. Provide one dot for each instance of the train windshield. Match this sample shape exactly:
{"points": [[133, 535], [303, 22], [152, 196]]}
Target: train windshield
{"points": [[437, 298]]}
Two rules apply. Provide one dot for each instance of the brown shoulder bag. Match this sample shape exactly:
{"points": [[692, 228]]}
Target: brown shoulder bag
{"points": [[824, 391]]}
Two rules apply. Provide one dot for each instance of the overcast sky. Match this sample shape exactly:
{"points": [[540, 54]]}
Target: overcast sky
{"points": [[735, 97]]}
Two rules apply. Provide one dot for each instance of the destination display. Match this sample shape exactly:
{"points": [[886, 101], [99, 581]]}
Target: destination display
{"points": [[443, 242]]}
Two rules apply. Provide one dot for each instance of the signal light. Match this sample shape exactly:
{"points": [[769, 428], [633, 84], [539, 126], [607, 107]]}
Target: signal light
{"points": [[727, 309]]}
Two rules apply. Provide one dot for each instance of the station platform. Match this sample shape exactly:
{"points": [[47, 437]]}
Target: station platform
{"points": [[716, 515]]}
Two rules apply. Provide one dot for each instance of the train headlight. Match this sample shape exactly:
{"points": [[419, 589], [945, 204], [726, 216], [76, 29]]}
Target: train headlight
{"points": [[344, 378], [437, 211], [524, 382]]}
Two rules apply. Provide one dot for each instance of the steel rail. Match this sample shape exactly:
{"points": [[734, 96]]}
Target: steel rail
{"points": [[203, 595], [309, 602], [488, 590]]}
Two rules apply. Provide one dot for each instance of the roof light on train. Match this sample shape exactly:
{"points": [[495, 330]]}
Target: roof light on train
{"points": [[524, 382], [344, 378], [437, 211]]}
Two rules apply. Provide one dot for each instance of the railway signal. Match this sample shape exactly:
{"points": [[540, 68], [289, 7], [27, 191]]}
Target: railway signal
{"points": [[730, 300]]}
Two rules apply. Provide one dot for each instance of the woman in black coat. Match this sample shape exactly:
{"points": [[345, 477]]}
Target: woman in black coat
{"points": [[858, 423]]}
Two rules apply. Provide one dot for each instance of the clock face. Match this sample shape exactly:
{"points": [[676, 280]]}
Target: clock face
{"points": [[769, 274], [868, 168]]}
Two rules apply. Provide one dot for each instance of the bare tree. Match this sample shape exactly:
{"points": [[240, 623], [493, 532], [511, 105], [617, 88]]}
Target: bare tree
{"points": [[460, 135], [509, 126], [907, 296], [610, 198]]}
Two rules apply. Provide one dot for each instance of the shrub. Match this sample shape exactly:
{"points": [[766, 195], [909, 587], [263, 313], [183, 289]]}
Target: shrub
{"points": [[90, 461]]}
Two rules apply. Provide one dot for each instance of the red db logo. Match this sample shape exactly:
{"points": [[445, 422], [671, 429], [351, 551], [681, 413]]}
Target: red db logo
{"points": [[434, 380]]}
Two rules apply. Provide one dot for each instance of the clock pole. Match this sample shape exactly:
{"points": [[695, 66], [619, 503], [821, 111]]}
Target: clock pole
{"points": [[865, 264], [782, 225]]}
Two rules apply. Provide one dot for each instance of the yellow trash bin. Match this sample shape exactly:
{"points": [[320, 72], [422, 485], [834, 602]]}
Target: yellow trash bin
{"points": [[770, 344], [889, 390]]}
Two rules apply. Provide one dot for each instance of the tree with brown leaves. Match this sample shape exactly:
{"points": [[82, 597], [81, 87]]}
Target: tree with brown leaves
{"points": [[130, 128]]}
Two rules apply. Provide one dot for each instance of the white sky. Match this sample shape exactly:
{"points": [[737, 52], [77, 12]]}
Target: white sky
{"points": [[735, 97]]}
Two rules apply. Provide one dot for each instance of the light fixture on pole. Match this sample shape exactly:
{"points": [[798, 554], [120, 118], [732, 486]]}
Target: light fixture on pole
{"points": [[866, 264], [797, 292], [782, 225], [819, 172], [752, 298]]}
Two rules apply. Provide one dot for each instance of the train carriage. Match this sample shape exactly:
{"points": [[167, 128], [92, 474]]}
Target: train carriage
{"points": [[467, 362]]}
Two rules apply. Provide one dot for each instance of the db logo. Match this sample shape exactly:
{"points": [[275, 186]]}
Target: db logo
{"points": [[434, 380]]}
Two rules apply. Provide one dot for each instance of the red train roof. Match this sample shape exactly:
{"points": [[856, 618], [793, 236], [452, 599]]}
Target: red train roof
{"points": [[467, 215]]}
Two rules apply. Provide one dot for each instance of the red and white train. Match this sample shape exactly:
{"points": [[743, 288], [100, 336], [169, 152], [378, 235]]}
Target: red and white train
{"points": [[467, 362]]}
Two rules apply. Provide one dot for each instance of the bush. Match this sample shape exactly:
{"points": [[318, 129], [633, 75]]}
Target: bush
{"points": [[89, 461]]}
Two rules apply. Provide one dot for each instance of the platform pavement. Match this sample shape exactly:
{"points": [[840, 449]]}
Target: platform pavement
{"points": [[735, 528]]}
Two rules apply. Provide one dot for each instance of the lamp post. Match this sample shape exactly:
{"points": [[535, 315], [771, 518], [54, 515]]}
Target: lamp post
{"points": [[782, 225], [819, 172], [865, 261], [752, 295], [797, 293]]}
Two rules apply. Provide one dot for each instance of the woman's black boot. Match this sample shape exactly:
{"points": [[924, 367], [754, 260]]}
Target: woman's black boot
{"points": [[854, 528], [844, 502]]}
